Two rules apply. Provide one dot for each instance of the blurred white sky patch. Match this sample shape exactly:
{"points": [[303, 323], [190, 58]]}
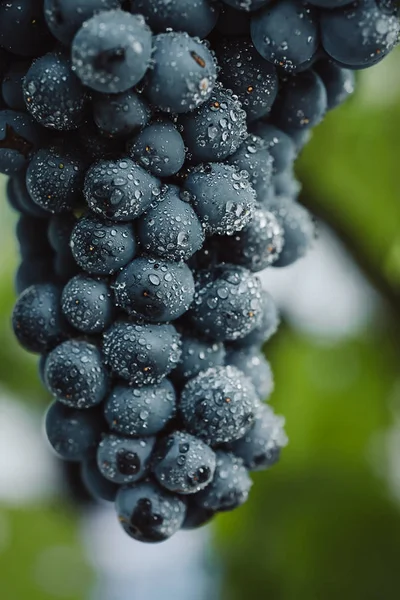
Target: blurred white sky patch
{"points": [[27, 469], [323, 294]]}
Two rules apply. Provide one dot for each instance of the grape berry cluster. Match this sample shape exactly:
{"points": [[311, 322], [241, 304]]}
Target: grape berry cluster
{"points": [[150, 148]]}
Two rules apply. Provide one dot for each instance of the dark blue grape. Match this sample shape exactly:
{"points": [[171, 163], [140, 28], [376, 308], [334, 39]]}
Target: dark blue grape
{"points": [[75, 374], [359, 35], [388, 6], [266, 328], [310, 63], [156, 290], [55, 177], [298, 227], [119, 189], [148, 513], [111, 51], [98, 486], [124, 460], [300, 137], [87, 304], [302, 102], [73, 486], [183, 75], [40, 367], [258, 245], [97, 146], [183, 464], [20, 136], [159, 148], [339, 83], [73, 434], [253, 156], [102, 247], [32, 237], [286, 33], [227, 304], [37, 319], [59, 234], [65, 17], [53, 94], [233, 22], [221, 196], [5, 60], [330, 3], [170, 228], [196, 17], [247, 5], [11, 87], [33, 271], [196, 516], [59, 231], [23, 28], [141, 354], [120, 115], [65, 267], [216, 129], [219, 405], [230, 487], [285, 184], [254, 365], [208, 256], [252, 78], [13, 198], [20, 199], [132, 411], [280, 145], [261, 446], [198, 355]]}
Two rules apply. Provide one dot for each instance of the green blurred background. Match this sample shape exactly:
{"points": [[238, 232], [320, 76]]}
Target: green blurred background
{"points": [[325, 523]]}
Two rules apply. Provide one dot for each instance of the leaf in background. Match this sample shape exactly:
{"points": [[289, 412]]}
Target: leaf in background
{"points": [[320, 525], [41, 555]]}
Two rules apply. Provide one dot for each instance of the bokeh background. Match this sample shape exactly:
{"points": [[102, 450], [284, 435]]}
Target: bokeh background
{"points": [[325, 523]]}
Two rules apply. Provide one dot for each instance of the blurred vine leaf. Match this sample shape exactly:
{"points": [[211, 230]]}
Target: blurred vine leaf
{"points": [[41, 555], [320, 525]]}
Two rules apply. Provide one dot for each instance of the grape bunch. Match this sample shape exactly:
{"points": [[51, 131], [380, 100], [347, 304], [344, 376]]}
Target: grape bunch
{"points": [[150, 149]]}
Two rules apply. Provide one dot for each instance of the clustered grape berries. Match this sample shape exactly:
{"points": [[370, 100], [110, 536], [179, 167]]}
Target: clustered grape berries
{"points": [[150, 147]]}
